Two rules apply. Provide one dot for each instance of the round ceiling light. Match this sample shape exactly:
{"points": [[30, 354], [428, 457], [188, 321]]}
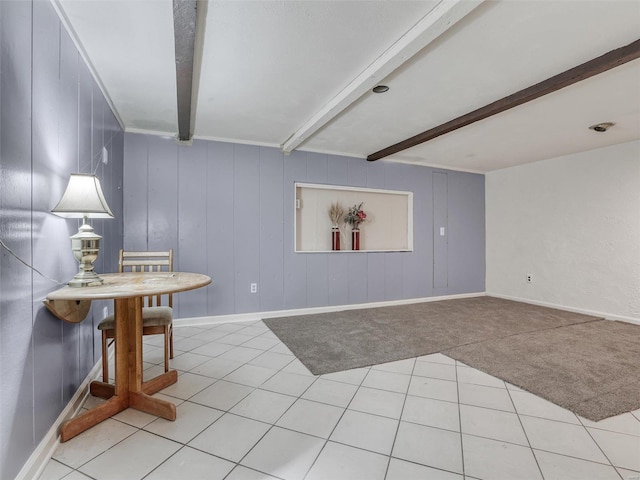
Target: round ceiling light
{"points": [[601, 127], [380, 89]]}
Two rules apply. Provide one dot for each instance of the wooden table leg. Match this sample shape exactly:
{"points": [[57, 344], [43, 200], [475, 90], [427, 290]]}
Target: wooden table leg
{"points": [[129, 389], [102, 390], [106, 390], [155, 406], [88, 419], [139, 392], [160, 382], [120, 393], [134, 340]]}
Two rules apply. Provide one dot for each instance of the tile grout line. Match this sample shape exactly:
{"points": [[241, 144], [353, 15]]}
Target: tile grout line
{"points": [[326, 441], [526, 435], [103, 451], [600, 448], [182, 446], [464, 475], [238, 463], [395, 437], [272, 425], [381, 389], [224, 412]]}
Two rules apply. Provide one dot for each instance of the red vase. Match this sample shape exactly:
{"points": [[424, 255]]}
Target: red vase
{"points": [[355, 239], [335, 238]]}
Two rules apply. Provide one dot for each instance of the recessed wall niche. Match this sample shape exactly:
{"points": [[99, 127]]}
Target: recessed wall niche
{"points": [[387, 228]]}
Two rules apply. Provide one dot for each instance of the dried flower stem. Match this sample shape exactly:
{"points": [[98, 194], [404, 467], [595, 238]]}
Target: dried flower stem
{"points": [[336, 212]]}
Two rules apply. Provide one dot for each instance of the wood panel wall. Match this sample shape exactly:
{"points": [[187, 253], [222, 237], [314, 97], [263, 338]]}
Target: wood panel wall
{"points": [[54, 121], [228, 210]]}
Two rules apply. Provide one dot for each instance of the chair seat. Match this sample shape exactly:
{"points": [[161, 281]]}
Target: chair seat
{"points": [[155, 320], [151, 317]]}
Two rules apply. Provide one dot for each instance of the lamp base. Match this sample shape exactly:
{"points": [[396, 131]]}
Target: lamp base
{"points": [[86, 279], [85, 246]]}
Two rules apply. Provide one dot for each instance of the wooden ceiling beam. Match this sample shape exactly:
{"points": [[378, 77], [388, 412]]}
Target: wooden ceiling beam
{"points": [[446, 14], [593, 67], [184, 26], [188, 24]]}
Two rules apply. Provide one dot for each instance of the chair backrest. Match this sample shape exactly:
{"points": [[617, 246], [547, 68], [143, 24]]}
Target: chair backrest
{"points": [[147, 262]]}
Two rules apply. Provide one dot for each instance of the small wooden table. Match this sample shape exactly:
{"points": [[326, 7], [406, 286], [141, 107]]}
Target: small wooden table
{"points": [[127, 290]]}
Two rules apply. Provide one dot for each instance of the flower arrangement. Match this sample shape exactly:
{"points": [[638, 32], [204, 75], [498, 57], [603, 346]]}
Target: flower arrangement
{"points": [[336, 213], [355, 216]]}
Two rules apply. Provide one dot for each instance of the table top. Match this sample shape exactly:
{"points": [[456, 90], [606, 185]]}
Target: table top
{"points": [[133, 284]]}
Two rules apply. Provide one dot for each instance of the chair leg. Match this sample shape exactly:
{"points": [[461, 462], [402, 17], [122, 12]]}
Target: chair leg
{"points": [[171, 340], [105, 358], [166, 348]]}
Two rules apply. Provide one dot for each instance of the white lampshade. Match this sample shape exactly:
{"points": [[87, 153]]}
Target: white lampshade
{"points": [[83, 198]]}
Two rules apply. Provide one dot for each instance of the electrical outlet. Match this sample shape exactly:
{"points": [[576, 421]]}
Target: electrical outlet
{"points": [[529, 278], [254, 288], [105, 312]]}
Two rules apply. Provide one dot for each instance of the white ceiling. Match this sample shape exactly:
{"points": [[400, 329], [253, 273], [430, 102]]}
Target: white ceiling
{"points": [[268, 67]]}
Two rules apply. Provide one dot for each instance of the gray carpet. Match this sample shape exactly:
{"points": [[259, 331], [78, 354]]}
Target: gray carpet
{"points": [[577, 361], [331, 342], [592, 369]]}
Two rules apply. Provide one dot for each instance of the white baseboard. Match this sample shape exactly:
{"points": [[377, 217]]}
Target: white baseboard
{"points": [[47, 446], [608, 316], [254, 316]]}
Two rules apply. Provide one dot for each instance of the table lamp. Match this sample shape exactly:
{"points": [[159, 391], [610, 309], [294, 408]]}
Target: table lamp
{"points": [[84, 199]]}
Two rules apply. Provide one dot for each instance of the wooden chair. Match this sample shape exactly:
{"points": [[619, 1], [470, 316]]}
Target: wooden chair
{"points": [[156, 318]]}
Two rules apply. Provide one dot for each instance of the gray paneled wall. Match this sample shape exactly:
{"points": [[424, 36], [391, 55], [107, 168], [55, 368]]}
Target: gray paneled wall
{"points": [[228, 210], [54, 121], [440, 233]]}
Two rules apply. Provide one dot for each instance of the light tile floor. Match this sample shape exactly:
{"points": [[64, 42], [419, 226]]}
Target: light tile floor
{"points": [[248, 409]]}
